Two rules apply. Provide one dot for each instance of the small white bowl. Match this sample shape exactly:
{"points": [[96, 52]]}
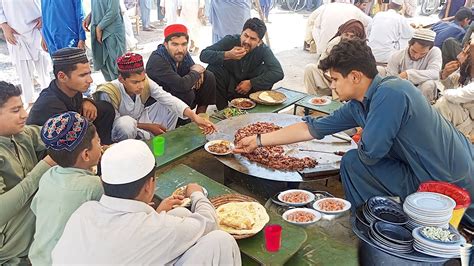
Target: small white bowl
{"points": [[212, 142], [316, 214], [347, 206], [327, 100], [283, 193]]}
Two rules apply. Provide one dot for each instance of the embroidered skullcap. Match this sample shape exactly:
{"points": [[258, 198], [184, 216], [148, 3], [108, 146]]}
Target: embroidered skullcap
{"points": [[425, 35], [398, 2], [175, 28], [69, 56], [130, 62], [64, 131], [126, 162]]}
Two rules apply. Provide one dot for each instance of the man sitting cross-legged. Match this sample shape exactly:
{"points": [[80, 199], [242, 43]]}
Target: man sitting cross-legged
{"points": [[122, 228], [242, 64], [129, 95]]}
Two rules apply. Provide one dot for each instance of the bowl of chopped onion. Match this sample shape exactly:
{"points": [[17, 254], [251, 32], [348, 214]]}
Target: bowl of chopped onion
{"points": [[301, 216]]}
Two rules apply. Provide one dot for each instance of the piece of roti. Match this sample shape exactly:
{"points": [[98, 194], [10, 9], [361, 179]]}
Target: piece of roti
{"points": [[240, 218], [265, 96]]}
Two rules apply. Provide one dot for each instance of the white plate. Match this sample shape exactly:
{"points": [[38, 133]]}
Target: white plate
{"points": [[310, 197], [430, 202], [315, 213], [347, 206], [231, 145], [326, 98]]}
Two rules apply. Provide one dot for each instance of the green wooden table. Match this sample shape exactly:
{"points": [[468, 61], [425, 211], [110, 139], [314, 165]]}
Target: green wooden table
{"points": [[327, 109], [293, 237], [188, 138]]}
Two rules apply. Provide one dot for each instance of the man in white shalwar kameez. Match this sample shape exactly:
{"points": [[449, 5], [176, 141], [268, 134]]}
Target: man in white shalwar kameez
{"points": [[191, 12], [171, 10], [420, 63], [389, 32], [327, 20], [122, 228], [21, 24], [128, 95]]}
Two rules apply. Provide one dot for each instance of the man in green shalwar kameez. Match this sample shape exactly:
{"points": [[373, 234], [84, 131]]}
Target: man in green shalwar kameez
{"points": [[107, 36]]}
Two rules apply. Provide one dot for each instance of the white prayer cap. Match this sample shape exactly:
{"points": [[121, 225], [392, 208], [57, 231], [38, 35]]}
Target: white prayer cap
{"points": [[126, 162], [398, 2], [424, 34]]}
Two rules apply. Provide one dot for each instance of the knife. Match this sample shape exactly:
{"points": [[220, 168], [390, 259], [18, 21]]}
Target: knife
{"points": [[342, 136], [340, 153]]}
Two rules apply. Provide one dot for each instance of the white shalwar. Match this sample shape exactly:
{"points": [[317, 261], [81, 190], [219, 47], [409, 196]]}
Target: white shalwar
{"points": [[130, 39], [189, 17], [457, 106], [388, 32], [165, 111], [171, 10], [116, 231], [27, 55], [329, 17]]}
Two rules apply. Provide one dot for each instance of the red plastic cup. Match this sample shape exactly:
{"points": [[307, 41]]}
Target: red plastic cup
{"points": [[272, 237]]}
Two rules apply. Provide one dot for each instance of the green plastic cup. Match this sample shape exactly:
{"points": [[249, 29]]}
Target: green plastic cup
{"points": [[158, 145]]}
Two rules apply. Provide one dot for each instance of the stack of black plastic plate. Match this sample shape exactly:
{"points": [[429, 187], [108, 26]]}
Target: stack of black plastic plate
{"points": [[385, 210], [392, 237]]}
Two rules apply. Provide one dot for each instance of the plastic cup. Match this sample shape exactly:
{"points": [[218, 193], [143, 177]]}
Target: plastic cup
{"points": [[272, 237], [465, 251], [158, 145]]}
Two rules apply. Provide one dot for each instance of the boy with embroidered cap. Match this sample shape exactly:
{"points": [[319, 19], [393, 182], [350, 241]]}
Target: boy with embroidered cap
{"points": [[20, 172], [122, 228], [172, 67], [130, 96], [73, 143], [419, 63]]}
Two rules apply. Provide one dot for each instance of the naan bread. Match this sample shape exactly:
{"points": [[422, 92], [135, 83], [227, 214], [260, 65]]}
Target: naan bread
{"points": [[265, 96], [240, 218]]}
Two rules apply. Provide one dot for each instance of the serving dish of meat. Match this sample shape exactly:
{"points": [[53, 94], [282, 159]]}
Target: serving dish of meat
{"points": [[332, 205], [301, 216], [273, 156], [219, 147], [320, 100], [243, 103], [296, 197]]}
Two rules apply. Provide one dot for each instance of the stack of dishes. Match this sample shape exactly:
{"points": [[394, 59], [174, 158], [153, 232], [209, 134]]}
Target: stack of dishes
{"points": [[428, 209], [392, 237], [385, 210], [438, 242]]}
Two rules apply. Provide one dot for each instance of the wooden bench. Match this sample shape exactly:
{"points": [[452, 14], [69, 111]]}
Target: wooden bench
{"points": [[252, 248], [327, 109]]}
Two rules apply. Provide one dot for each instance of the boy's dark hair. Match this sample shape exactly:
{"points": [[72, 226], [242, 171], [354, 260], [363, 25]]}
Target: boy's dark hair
{"points": [[176, 34], [129, 190], [463, 13], [67, 69], [351, 55], [8, 90], [256, 25], [359, 2], [65, 158], [423, 43], [126, 75]]}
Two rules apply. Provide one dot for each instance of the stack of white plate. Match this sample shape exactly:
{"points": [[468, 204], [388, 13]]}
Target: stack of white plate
{"points": [[425, 245], [428, 209]]}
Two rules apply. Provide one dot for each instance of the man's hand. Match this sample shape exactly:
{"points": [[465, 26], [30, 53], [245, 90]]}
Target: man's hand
{"points": [[244, 87], [246, 145], [199, 82], [157, 129], [9, 33], [205, 125], [89, 110], [81, 44], [191, 188], [449, 68], [98, 34], [168, 203], [44, 46], [200, 13], [198, 68], [39, 23], [49, 161], [403, 75], [86, 23], [235, 54]]}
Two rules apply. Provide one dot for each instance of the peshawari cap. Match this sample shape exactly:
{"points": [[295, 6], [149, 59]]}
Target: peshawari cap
{"points": [[130, 62], [398, 2], [175, 28], [69, 56], [64, 131], [126, 162], [424, 34]]}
